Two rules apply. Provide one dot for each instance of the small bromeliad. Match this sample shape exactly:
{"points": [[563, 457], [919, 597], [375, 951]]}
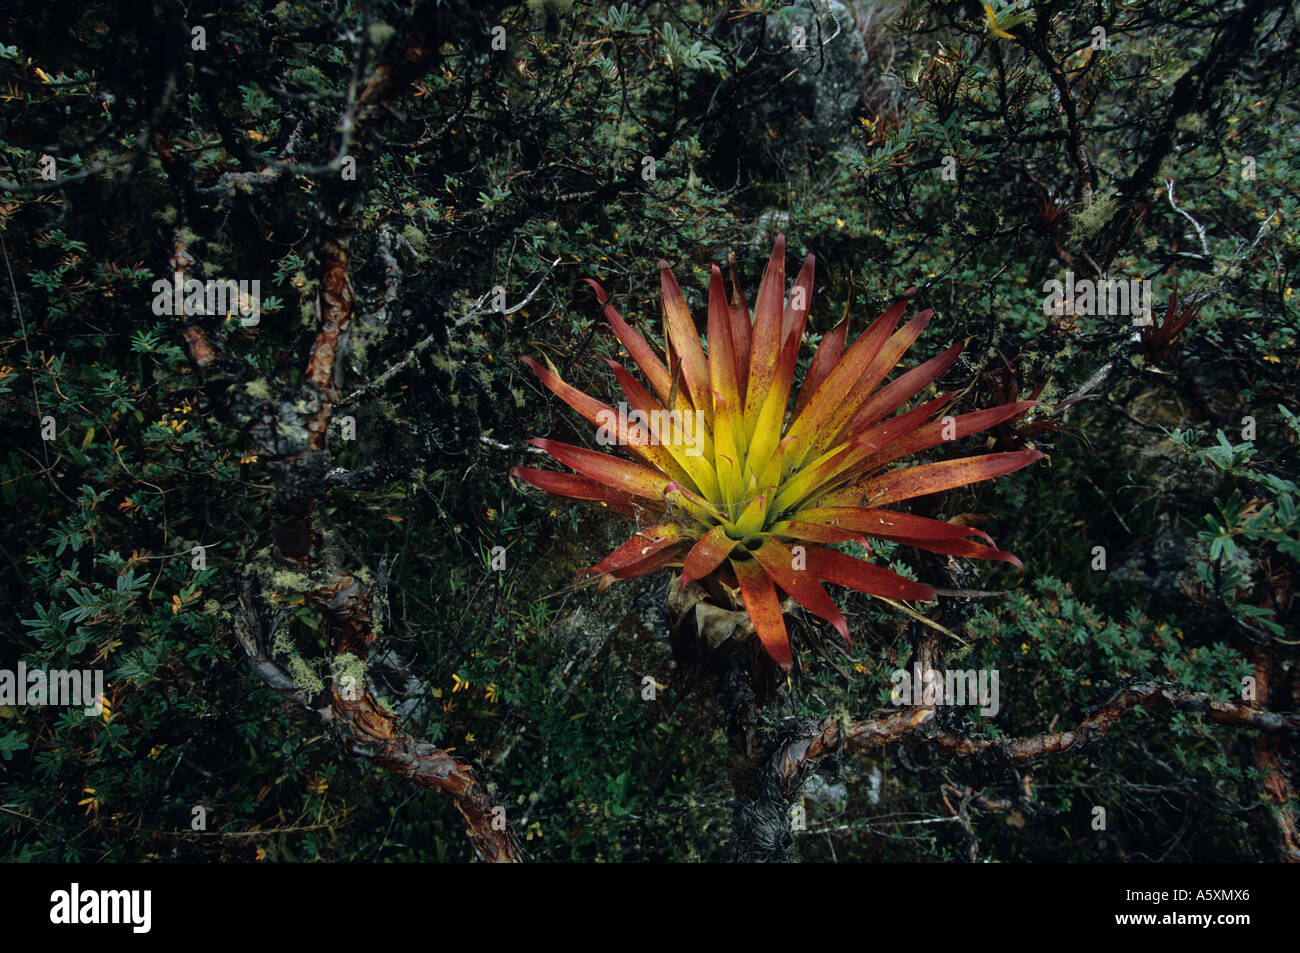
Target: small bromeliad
{"points": [[757, 490]]}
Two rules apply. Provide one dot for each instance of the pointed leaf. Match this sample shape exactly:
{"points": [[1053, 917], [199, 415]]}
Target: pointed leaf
{"points": [[932, 434], [765, 349], [577, 487], [668, 443], [722, 353], [877, 438], [828, 565], [932, 478], [828, 354], [685, 340], [960, 547], [801, 531], [764, 610], [639, 547], [621, 474], [636, 346], [871, 376], [668, 555], [888, 524], [900, 390], [778, 561], [707, 555], [800, 294], [742, 331], [834, 395]]}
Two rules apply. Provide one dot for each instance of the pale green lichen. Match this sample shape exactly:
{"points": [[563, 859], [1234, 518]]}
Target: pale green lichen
{"points": [[1090, 219], [291, 431], [258, 388], [287, 580], [415, 238], [280, 644], [381, 33], [304, 676], [1049, 393], [347, 665]]}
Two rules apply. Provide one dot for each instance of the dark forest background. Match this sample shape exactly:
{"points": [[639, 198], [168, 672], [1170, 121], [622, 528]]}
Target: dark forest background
{"points": [[392, 174]]}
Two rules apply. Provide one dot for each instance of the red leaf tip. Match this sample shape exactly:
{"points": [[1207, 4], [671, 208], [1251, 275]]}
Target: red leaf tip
{"points": [[601, 297]]}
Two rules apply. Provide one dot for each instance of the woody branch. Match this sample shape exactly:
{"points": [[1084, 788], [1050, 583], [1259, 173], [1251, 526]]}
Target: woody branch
{"points": [[290, 436]]}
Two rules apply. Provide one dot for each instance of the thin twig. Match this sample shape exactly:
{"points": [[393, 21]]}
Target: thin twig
{"points": [[423, 344], [1200, 229]]}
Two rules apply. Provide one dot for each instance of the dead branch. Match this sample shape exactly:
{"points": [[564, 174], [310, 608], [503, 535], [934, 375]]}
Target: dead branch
{"points": [[915, 724], [291, 437], [367, 729]]}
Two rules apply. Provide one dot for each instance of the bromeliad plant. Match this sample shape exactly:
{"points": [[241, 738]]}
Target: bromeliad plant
{"points": [[731, 482]]}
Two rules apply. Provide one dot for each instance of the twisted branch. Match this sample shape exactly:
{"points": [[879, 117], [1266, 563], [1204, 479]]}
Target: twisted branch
{"points": [[290, 435], [793, 761]]}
